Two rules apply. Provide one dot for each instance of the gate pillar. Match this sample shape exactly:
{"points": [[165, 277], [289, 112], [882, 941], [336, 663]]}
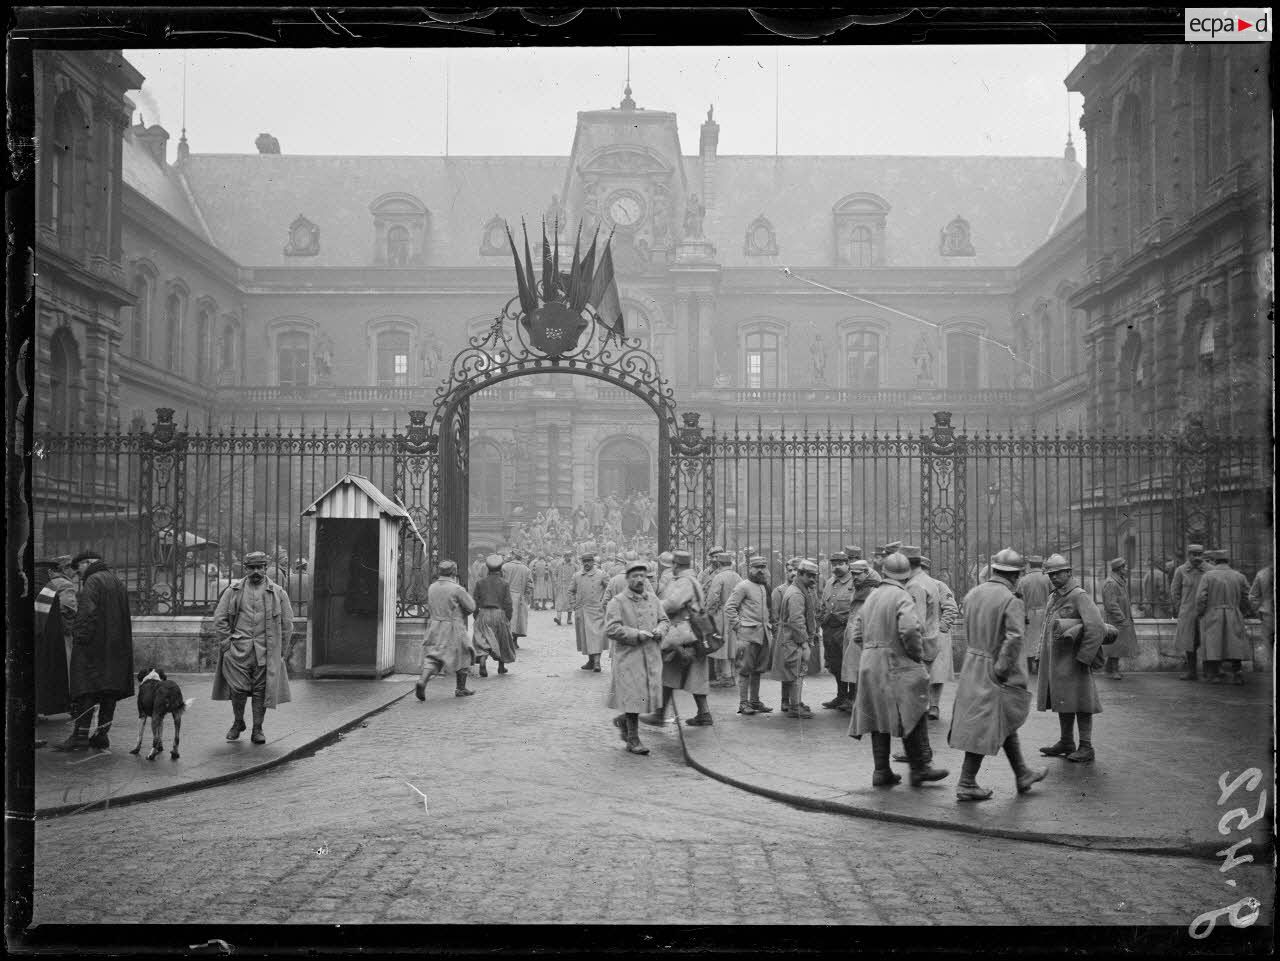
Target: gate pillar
{"points": [[942, 487], [690, 489]]}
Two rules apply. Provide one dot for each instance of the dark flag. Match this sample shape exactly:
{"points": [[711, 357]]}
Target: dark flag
{"points": [[585, 276], [549, 278], [528, 300], [528, 266], [604, 293], [568, 282]]}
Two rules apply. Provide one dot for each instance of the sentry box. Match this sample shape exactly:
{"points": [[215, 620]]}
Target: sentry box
{"points": [[355, 559]]}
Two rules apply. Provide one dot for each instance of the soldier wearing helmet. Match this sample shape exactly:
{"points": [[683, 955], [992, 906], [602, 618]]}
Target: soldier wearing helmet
{"points": [[1073, 636], [992, 700], [893, 683], [1034, 588], [865, 580], [797, 630]]}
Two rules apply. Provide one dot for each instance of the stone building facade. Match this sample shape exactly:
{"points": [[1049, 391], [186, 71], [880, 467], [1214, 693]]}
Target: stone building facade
{"points": [[1177, 284], [305, 290]]}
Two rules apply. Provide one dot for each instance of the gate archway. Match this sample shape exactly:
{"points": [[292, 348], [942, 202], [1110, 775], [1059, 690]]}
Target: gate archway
{"points": [[437, 442]]}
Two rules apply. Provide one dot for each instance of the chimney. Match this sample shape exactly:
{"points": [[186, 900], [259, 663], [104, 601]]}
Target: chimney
{"points": [[155, 139], [1070, 153], [267, 144], [707, 155]]}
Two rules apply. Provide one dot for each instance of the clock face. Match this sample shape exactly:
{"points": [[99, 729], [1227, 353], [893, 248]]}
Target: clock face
{"points": [[301, 235], [760, 237], [625, 210]]}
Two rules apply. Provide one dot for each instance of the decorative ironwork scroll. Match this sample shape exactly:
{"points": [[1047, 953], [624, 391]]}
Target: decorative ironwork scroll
{"points": [[162, 522], [942, 490], [689, 479]]}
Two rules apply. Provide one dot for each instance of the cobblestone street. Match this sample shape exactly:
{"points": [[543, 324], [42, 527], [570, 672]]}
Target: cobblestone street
{"points": [[534, 814]]}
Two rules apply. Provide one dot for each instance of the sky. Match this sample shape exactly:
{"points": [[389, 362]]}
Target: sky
{"points": [[832, 100]]}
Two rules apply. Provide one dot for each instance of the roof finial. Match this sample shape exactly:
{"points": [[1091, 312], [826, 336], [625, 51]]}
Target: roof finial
{"points": [[627, 102]]}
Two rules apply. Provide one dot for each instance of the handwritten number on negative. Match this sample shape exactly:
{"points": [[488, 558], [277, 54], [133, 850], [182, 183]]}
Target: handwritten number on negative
{"points": [[1243, 814], [1253, 776]]}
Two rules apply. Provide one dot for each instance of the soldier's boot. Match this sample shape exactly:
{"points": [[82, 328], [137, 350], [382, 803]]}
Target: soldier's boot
{"points": [[460, 688], [81, 712], [744, 695], [920, 756], [835, 702], [259, 715], [759, 706], [968, 789], [1237, 672], [106, 712], [851, 696], [237, 712], [1023, 775], [786, 695], [632, 732], [659, 717], [1033, 665], [703, 717], [1085, 752], [883, 775], [1190, 674], [1066, 739]]}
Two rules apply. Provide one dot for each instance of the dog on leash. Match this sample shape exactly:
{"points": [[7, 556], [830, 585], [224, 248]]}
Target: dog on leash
{"points": [[158, 696]]}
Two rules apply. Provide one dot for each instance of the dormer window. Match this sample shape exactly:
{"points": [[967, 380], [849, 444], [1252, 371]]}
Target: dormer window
{"points": [[400, 225], [859, 221]]}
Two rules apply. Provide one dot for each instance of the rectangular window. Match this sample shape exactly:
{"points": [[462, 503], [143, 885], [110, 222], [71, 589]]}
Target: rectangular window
{"points": [[393, 359], [293, 354], [863, 360], [962, 361], [761, 359]]}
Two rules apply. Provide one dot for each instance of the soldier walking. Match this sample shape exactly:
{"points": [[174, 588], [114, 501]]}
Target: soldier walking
{"points": [[447, 649], [518, 575], [635, 624], [586, 599], [992, 699], [721, 587], [893, 684], [562, 573], [682, 668]]}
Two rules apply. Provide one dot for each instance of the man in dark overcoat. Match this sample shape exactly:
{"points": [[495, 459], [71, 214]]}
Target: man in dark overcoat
{"points": [[1222, 604], [1118, 612], [1073, 636], [1182, 598], [992, 700], [55, 612], [101, 652]]}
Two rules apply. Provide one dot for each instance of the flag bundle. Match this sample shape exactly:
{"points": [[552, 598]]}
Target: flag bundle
{"points": [[589, 282]]}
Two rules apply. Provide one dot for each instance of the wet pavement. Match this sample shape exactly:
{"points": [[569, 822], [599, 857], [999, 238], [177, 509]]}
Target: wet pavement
{"points": [[67, 783], [1162, 745]]}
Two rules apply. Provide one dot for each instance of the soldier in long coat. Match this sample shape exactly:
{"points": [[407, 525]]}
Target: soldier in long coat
{"points": [[491, 634], [927, 594], [940, 667], [1262, 598], [893, 683], [635, 624], [541, 572], [586, 599], [1118, 612], [1066, 683], [1182, 598], [101, 669], [992, 700], [1222, 604], [747, 614], [1035, 589], [562, 573], [253, 620], [834, 602], [865, 580], [682, 669], [721, 588], [795, 639], [55, 611], [520, 578], [447, 649]]}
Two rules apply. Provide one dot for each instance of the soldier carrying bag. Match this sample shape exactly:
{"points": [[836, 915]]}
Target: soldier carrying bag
{"points": [[705, 630]]}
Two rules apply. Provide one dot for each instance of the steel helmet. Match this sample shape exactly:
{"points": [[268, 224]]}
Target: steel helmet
{"points": [[1006, 560], [1056, 562], [897, 566]]}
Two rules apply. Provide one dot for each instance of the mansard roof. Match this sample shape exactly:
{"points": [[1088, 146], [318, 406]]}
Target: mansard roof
{"points": [[162, 185], [1013, 204]]}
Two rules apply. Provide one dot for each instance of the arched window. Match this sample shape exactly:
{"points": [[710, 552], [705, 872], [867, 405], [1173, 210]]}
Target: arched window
{"points": [[393, 358], [1205, 345], [862, 359], [860, 247], [1044, 346], [203, 325], [174, 308], [66, 156], [964, 359], [760, 359], [293, 358], [227, 358], [140, 323], [1132, 398], [486, 478], [398, 246], [64, 378], [624, 468]]}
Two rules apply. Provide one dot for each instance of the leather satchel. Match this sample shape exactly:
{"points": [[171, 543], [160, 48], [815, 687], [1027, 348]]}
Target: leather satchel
{"points": [[1071, 629], [705, 630]]}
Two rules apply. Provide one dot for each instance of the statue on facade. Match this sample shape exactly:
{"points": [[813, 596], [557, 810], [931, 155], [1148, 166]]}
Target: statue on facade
{"points": [[819, 351], [923, 360], [694, 212]]}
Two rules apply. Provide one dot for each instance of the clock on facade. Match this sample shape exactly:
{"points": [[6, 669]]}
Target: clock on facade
{"points": [[625, 209]]}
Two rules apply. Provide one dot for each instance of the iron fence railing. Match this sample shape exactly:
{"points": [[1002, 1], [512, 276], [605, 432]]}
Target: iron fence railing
{"points": [[174, 510]]}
